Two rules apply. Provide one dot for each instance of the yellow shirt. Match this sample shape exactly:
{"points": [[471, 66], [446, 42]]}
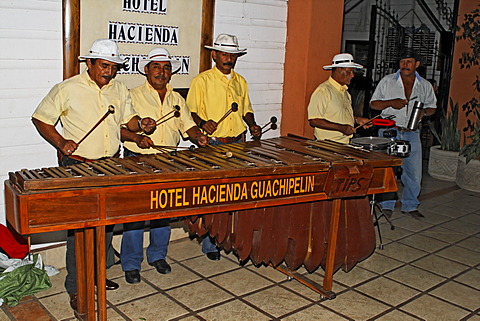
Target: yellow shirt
{"points": [[332, 102], [211, 95], [79, 104], [147, 103]]}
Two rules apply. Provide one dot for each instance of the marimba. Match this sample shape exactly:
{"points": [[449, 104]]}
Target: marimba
{"points": [[285, 192]]}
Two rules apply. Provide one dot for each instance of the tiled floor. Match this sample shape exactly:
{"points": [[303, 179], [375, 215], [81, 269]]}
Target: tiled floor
{"points": [[428, 270]]}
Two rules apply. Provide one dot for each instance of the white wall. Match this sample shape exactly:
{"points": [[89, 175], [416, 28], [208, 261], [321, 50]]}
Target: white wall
{"points": [[31, 63]]}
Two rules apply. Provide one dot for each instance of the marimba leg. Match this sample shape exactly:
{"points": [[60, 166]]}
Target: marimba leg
{"points": [[101, 273]]}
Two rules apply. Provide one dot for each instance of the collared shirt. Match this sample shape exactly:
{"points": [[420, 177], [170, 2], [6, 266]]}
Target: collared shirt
{"points": [[79, 104], [147, 103], [391, 87], [211, 95], [331, 101]]}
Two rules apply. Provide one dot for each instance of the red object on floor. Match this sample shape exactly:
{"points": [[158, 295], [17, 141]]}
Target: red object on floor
{"points": [[12, 243]]}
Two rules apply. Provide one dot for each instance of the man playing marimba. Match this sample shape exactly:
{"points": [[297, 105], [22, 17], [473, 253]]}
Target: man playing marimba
{"points": [[220, 92], [79, 102], [156, 98], [330, 109]]}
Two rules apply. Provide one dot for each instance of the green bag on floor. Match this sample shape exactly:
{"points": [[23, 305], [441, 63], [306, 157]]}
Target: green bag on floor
{"points": [[22, 281]]}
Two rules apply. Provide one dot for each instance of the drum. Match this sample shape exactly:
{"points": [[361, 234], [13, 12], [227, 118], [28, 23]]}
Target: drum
{"points": [[378, 144], [400, 148]]}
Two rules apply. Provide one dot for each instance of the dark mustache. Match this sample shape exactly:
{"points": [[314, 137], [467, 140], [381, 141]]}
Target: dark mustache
{"points": [[228, 63], [162, 77]]}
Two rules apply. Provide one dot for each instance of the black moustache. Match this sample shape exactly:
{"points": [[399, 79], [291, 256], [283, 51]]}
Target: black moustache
{"points": [[228, 64]]}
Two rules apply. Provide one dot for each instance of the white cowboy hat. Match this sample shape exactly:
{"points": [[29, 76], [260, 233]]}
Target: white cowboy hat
{"points": [[159, 54], [343, 60], [104, 49], [227, 43]]}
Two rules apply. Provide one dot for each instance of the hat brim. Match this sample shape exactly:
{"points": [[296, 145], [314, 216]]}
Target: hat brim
{"points": [[233, 51], [343, 65], [175, 64], [116, 60]]}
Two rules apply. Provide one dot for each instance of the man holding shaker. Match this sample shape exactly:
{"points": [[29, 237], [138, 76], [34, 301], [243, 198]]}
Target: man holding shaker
{"points": [[396, 95]]}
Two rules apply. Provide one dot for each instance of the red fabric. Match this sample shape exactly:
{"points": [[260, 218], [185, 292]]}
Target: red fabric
{"points": [[12, 243]]}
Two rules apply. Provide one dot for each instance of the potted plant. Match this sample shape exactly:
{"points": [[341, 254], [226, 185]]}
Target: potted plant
{"points": [[468, 173], [443, 159]]}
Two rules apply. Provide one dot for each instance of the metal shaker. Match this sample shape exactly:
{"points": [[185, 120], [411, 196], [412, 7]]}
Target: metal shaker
{"points": [[415, 116]]}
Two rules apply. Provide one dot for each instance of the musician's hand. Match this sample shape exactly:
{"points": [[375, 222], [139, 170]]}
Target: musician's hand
{"points": [[210, 127], [147, 125], [67, 147], [143, 141], [255, 131], [365, 122], [398, 103], [201, 139], [347, 129]]}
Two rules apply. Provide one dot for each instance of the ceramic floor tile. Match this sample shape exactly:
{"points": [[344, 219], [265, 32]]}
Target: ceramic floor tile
{"points": [[392, 235], [472, 243], [407, 223], [387, 291], [430, 308], [355, 305], [199, 295], [154, 307], [471, 219], [451, 210], [306, 291], [113, 315], [177, 277], [461, 255], [189, 318], [402, 252], [439, 265], [58, 305], [471, 278], [415, 277], [268, 272], [397, 316], [207, 267], [314, 313], [353, 277], [233, 311], [128, 291], [4, 316], [184, 249], [461, 227], [459, 294], [379, 263], [115, 272], [276, 301], [241, 281], [444, 234], [424, 243], [433, 217]]}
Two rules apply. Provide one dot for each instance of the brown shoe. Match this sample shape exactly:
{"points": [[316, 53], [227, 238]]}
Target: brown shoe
{"points": [[73, 301], [415, 214]]}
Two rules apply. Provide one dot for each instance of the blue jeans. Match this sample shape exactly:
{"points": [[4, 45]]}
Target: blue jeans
{"points": [[208, 243], [131, 253], [411, 172]]}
